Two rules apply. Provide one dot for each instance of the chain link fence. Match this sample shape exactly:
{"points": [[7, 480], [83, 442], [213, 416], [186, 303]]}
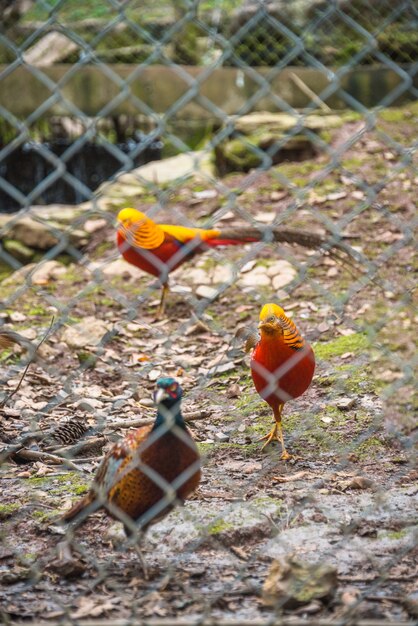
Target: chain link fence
{"points": [[234, 116]]}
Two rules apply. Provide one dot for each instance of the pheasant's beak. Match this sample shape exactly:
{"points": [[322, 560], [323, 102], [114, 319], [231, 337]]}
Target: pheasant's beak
{"points": [[160, 395], [270, 326]]}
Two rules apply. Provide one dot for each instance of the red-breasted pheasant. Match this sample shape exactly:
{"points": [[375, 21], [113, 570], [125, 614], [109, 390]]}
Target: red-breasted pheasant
{"points": [[158, 249], [282, 365]]}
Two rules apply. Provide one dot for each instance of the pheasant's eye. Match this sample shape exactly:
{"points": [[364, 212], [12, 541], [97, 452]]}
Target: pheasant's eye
{"points": [[173, 388]]}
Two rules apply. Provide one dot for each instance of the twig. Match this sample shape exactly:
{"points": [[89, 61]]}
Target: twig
{"points": [[367, 579], [308, 92], [31, 360], [136, 423], [396, 599], [78, 447], [34, 455]]}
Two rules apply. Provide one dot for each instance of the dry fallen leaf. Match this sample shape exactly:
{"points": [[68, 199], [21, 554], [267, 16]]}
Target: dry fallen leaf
{"points": [[94, 607], [356, 482], [291, 583]]}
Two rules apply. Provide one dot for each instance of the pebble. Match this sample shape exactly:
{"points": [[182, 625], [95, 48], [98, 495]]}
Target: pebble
{"points": [[88, 404], [255, 279], [154, 374], [345, 403], [222, 437], [281, 280], [204, 291], [90, 226]]}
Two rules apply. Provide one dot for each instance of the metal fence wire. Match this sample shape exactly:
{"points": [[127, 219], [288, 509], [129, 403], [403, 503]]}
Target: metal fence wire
{"points": [[287, 131]]}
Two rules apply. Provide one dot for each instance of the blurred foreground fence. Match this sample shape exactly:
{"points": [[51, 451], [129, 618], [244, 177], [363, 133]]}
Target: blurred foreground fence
{"points": [[220, 112]]}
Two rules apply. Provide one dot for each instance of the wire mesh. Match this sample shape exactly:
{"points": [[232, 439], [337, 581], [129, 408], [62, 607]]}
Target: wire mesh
{"points": [[295, 122]]}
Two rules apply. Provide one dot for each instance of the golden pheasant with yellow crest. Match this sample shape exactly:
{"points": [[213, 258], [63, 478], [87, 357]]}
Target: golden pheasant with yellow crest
{"points": [[282, 365], [158, 249]]}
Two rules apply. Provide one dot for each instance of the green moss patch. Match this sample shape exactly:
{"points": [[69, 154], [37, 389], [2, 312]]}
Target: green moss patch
{"points": [[346, 343], [8, 510]]}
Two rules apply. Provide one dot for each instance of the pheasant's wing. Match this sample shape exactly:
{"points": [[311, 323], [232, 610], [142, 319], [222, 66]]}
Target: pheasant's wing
{"points": [[250, 336], [184, 234], [114, 463]]}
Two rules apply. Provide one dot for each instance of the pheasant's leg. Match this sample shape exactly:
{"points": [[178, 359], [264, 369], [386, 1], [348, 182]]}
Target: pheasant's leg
{"points": [[161, 307], [141, 560], [277, 433], [278, 417]]}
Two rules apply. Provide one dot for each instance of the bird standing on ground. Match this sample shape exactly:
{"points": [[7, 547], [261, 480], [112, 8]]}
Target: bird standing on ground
{"points": [[144, 476], [282, 365], [158, 249]]}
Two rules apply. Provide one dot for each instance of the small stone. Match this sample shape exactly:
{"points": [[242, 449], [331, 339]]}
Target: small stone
{"points": [[345, 403], [17, 316], [91, 226], [275, 196], [222, 437], [222, 368], [280, 267], [204, 291], [333, 271], [323, 327], [283, 279], [197, 276], [247, 267], [292, 583], [205, 194], [154, 374], [121, 268], [18, 250], [255, 279], [146, 401], [223, 274], [267, 217], [88, 404], [326, 419], [88, 332], [233, 391]]}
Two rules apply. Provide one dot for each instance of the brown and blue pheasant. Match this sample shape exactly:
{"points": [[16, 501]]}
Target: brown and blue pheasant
{"points": [[144, 476]]}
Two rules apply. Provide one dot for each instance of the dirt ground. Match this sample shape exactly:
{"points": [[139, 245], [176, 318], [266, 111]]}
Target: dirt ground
{"points": [[349, 499]]}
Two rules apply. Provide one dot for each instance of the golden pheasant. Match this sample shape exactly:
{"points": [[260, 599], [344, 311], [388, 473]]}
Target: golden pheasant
{"points": [[282, 365], [144, 476], [158, 249]]}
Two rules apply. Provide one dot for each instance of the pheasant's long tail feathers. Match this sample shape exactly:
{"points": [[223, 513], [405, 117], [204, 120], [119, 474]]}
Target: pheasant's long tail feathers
{"points": [[9, 337], [284, 235], [313, 241], [78, 507]]}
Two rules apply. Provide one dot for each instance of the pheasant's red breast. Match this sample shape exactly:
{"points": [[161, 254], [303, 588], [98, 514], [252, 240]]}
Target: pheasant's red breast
{"points": [[289, 370]]}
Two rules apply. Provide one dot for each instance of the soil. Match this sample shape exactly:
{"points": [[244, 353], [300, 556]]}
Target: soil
{"points": [[347, 499]]}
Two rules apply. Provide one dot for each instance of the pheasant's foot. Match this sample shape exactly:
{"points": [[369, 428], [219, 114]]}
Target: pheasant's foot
{"points": [[269, 437], [286, 456]]}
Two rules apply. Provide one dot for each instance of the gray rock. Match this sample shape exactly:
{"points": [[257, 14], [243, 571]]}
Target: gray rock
{"points": [[88, 332], [204, 291]]}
